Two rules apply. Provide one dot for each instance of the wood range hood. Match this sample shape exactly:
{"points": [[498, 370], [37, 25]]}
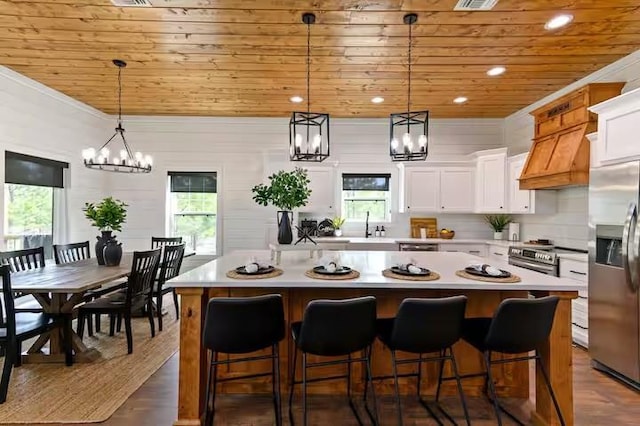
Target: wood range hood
{"points": [[559, 155]]}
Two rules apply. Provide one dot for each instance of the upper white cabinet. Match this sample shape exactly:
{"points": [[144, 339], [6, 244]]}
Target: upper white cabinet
{"points": [[323, 192], [490, 182], [422, 190], [522, 201], [439, 189], [618, 128], [457, 190]]}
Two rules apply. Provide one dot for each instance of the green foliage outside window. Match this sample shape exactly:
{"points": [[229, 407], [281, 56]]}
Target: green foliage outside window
{"points": [[29, 209]]}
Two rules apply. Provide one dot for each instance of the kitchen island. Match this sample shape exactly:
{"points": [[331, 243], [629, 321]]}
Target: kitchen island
{"points": [[196, 287]]}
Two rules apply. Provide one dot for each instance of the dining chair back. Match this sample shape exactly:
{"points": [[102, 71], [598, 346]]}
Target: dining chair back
{"points": [[157, 242], [170, 268], [144, 269], [9, 323], [68, 253], [23, 260]]}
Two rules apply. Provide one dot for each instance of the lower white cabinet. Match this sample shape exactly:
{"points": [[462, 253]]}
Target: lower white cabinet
{"points": [[475, 249], [498, 252], [578, 271]]}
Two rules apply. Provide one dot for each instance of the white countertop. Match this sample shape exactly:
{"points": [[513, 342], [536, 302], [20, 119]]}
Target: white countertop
{"points": [[370, 265], [400, 240]]}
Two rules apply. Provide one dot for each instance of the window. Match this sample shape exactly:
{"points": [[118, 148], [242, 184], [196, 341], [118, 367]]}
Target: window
{"points": [[193, 209], [31, 183], [362, 193]]}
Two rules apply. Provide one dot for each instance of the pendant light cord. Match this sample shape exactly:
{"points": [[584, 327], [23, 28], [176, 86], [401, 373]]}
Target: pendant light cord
{"points": [[409, 85], [119, 96], [308, 67]]}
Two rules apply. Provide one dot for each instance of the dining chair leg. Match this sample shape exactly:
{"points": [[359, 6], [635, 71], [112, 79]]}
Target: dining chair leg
{"points": [[112, 324], [68, 350], [80, 325], [118, 323], [6, 374], [18, 356], [152, 323], [397, 387], [159, 309], [175, 303], [97, 321], [127, 328]]}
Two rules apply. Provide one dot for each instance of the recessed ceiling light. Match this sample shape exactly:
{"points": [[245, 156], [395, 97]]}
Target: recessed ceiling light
{"points": [[460, 100], [558, 21], [496, 71], [296, 99], [377, 100]]}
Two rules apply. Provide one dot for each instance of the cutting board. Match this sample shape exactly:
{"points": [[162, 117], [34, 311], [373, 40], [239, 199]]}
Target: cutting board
{"points": [[430, 223]]}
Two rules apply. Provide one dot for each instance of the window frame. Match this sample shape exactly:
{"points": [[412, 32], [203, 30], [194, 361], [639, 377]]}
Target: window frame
{"points": [[388, 199]]}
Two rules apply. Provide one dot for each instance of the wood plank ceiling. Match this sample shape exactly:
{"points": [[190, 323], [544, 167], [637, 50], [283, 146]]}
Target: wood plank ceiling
{"points": [[247, 58]]}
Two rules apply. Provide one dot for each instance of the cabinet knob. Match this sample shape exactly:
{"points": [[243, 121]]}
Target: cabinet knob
{"points": [[500, 206], [408, 207], [443, 207], [526, 207]]}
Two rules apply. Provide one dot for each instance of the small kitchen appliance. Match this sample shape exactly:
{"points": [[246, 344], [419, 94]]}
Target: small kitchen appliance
{"points": [[514, 231]]}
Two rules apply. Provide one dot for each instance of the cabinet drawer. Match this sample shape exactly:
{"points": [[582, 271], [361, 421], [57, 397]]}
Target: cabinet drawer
{"points": [[498, 252], [475, 249], [575, 270], [580, 335]]}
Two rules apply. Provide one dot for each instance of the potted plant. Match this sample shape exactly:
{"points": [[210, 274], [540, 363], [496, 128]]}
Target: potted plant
{"points": [[498, 222], [108, 215], [286, 191], [337, 225]]}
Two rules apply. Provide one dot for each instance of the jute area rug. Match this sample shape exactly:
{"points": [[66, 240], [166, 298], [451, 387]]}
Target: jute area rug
{"points": [[90, 393]]}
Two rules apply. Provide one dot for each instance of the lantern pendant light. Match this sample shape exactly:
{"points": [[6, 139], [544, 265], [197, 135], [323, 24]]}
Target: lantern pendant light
{"points": [[128, 161], [409, 131], [308, 131]]}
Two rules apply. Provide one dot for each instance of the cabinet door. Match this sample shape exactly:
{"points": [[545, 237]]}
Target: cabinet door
{"points": [[322, 198], [519, 199], [456, 190], [491, 184], [423, 190]]}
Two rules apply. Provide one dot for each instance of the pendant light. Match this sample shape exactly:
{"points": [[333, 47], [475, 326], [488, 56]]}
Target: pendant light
{"points": [[308, 131], [128, 161], [411, 127]]}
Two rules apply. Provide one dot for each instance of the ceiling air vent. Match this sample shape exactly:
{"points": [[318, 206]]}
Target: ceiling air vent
{"points": [[132, 3], [475, 4]]}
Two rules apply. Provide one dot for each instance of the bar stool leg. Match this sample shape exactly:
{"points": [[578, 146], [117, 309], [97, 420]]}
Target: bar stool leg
{"points": [[276, 383], [304, 389], [207, 397], [543, 369], [374, 417], [395, 381], [440, 373], [463, 400], [492, 390], [293, 383]]}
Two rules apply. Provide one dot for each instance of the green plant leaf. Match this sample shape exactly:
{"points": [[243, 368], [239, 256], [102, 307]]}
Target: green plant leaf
{"points": [[286, 190], [107, 215]]}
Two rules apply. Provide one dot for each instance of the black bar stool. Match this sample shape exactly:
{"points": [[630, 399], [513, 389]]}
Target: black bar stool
{"points": [[518, 326], [241, 325], [425, 326], [335, 328]]}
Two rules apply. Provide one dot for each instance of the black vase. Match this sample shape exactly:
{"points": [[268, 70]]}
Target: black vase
{"points": [[285, 236], [100, 244], [112, 253]]}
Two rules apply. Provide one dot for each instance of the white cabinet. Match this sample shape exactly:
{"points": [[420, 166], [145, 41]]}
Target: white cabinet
{"points": [[322, 185], [618, 127], [440, 190], [490, 183], [423, 190], [521, 201], [456, 190], [498, 252], [475, 249]]}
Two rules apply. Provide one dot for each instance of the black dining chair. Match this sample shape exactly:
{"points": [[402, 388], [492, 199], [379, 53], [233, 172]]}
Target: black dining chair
{"points": [[238, 326], [170, 268], [16, 327], [157, 242], [518, 326], [68, 253], [137, 295], [425, 326], [335, 328]]}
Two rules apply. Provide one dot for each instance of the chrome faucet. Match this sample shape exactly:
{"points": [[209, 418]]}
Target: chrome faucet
{"points": [[367, 234]]}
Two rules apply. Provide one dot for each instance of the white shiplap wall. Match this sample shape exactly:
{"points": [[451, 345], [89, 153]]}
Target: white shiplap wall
{"points": [[569, 226], [37, 120], [246, 150]]}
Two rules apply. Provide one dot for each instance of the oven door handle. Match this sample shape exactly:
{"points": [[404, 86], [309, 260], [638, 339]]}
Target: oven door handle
{"points": [[542, 268], [628, 256]]}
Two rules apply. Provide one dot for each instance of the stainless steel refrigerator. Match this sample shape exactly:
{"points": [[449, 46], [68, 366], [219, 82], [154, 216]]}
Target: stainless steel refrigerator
{"points": [[614, 267]]}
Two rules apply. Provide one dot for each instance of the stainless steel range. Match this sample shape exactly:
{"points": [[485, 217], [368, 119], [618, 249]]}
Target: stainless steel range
{"points": [[543, 261]]}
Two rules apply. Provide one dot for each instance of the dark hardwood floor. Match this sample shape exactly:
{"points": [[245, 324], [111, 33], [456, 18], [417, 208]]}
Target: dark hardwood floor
{"points": [[599, 400]]}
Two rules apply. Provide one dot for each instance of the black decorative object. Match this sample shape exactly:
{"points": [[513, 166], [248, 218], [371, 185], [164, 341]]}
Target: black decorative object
{"points": [[285, 235], [303, 235], [100, 245], [325, 228], [308, 131], [128, 161], [409, 131], [112, 253]]}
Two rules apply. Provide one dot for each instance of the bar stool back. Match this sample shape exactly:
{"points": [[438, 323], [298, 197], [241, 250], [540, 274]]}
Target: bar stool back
{"points": [[335, 328], [241, 325], [424, 326], [518, 326]]}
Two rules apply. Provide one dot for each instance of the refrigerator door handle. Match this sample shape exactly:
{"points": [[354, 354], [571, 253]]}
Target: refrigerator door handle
{"points": [[630, 276], [635, 273]]}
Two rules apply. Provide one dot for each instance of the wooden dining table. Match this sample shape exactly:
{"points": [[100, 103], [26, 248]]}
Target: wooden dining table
{"points": [[59, 289]]}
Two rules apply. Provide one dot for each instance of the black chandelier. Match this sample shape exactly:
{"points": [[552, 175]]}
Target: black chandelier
{"points": [[128, 161], [308, 131], [409, 131]]}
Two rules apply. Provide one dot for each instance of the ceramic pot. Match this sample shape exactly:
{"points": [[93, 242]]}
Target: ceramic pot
{"points": [[285, 236], [100, 244], [338, 232], [112, 253], [497, 235]]}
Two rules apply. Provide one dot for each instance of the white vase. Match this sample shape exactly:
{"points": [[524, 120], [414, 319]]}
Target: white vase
{"points": [[497, 235], [337, 232]]}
